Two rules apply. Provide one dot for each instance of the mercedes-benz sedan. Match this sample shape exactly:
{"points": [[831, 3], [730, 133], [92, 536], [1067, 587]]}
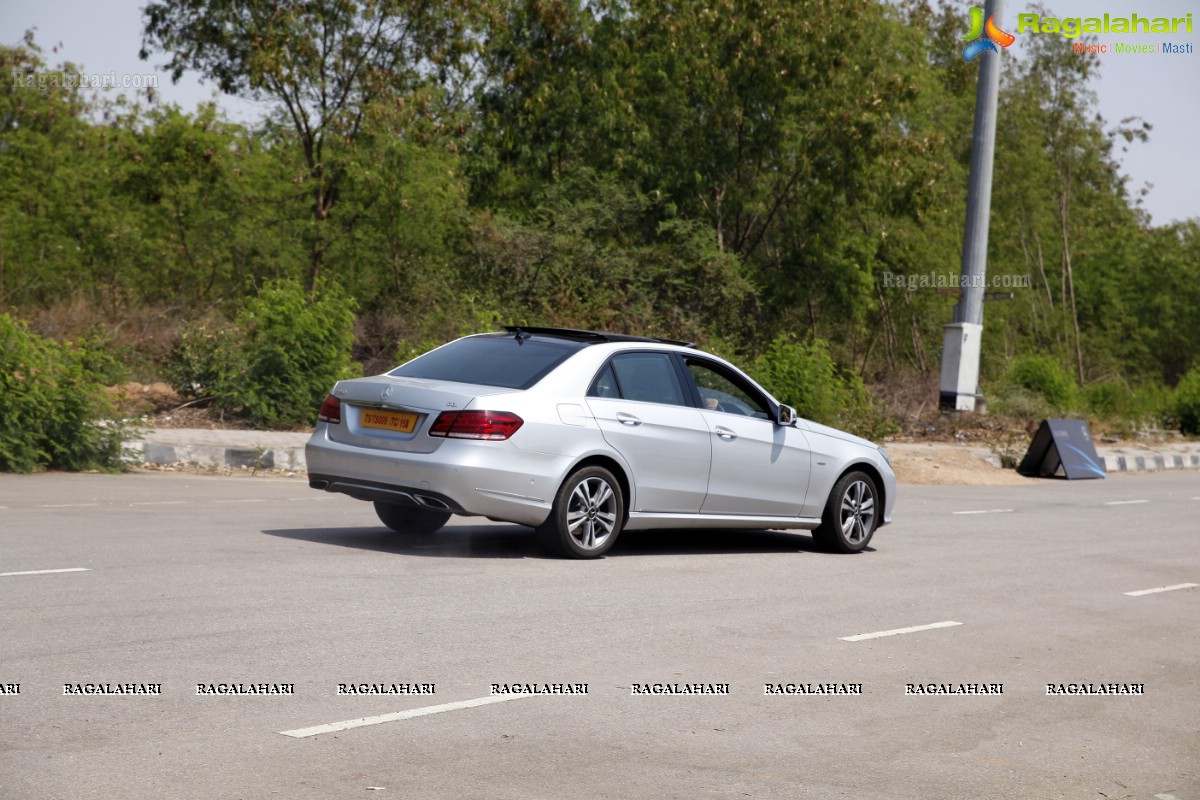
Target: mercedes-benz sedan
{"points": [[582, 435]]}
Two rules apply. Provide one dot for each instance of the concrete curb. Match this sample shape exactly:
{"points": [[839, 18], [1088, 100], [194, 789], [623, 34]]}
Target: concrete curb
{"points": [[1120, 457], [1150, 462], [220, 448], [284, 450]]}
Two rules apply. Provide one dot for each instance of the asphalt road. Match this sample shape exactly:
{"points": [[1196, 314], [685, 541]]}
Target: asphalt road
{"points": [[200, 580]]}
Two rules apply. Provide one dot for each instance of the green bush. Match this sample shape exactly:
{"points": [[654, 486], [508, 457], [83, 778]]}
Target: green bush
{"points": [[804, 375], [1186, 402], [1109, 400], [274, 365], [1045, 378], [52, 404], [1018, 402], [1153, 402], [205, 354], [1131, 408]]}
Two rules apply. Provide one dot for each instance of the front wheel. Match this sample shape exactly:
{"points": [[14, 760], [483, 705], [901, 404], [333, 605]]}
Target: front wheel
{"points": [[851, 514], [409, 519], [586, 516]]}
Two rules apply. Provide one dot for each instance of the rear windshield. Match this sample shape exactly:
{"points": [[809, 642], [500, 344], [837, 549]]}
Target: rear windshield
{"points": [[490, 361]]}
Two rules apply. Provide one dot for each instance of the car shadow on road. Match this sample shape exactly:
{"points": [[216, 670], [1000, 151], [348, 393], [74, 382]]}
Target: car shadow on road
{"points": [[516, 541], [714, 542], [456, 541]]}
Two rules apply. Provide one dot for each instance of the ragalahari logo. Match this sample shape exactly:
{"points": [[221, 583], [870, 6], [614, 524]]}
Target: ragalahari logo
{"points": [[984, 37]]}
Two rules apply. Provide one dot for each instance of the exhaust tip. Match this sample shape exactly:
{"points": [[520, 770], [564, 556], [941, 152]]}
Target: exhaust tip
{"points": [[432, 502]]}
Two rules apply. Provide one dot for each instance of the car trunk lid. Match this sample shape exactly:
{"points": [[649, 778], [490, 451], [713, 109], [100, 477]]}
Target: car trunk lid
{"points": [[393, 413]]}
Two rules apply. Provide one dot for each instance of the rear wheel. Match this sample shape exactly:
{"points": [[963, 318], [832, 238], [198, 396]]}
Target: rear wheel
{"points": [[409, 519], [586, 517], [851, 514]]}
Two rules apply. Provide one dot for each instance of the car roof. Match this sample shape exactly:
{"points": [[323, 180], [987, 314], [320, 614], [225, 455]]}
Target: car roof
{"points": [[588, 337]]}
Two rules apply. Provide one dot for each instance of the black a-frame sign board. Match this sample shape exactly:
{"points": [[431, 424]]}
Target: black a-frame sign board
{"points": [[1062, 444]]}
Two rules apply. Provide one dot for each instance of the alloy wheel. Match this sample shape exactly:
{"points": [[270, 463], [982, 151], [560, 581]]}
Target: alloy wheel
{"points": [[592, 513], [857, 511]]}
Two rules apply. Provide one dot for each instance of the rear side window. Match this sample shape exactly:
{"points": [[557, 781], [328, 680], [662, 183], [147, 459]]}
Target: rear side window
{"points": [[605, 384], [489, 361], [646, 377]]}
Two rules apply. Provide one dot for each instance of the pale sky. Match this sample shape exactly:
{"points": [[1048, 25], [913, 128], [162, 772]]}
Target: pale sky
{"points": [[1163, 89]]}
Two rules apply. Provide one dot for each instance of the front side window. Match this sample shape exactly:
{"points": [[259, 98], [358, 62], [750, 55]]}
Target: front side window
{"points": [[721, 390], [645, 377]]}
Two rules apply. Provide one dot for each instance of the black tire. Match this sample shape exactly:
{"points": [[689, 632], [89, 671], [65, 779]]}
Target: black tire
{"points": [[586, 517], [851, 514], [409, 519]]}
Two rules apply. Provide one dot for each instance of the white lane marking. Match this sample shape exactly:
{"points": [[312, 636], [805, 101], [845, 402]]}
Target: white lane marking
{"points": [[44, 571], [1169, 796], [1125, 502], [162, 503], [1177, 586], [862, 636], [316, 730], [986, 511], [68, 505], [239, 501]]}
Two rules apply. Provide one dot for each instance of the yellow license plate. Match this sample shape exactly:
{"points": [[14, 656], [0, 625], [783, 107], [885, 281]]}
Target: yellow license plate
{"points": [[389, 420]]}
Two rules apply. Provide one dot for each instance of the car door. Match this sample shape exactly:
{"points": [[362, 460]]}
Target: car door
{"points": [[642, 406], [759, 468]]}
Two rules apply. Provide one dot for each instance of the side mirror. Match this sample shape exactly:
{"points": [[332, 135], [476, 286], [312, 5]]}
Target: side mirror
{"points": [[786, 416]]}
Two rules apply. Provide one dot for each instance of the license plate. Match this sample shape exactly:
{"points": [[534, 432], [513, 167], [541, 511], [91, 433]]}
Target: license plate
{"points": [[389, 420]]}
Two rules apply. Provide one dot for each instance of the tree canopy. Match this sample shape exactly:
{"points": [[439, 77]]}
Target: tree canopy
{"points": [[740, 173]]}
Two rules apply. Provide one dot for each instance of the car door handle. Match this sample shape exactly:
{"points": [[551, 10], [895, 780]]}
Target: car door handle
{"points": [[627, 419], [725, 433]]}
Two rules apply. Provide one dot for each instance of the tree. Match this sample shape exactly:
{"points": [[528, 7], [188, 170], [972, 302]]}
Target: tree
{"points": [[44, 175], [1075, 231], [404, 217], [322, 62]]}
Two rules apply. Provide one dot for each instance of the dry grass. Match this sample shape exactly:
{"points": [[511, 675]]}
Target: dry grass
{"points": [[912, 401], [139, 336]]}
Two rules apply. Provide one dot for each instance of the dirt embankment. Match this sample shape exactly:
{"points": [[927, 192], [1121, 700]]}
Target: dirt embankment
{"points": [[945, 464]]}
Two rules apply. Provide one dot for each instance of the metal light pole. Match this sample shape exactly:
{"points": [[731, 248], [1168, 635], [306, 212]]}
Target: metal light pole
{"points": [[960, 352]]}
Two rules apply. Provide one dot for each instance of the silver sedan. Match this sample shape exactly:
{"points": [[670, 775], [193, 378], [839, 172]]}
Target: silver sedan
{"points": [[581, 435]]}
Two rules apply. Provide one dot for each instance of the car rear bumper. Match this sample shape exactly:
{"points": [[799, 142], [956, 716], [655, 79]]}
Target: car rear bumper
{"points": [[458, 477], [373, 491]]}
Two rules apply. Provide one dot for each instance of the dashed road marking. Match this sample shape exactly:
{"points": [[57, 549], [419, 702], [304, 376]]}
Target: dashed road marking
{"points": [[239, 501], [333, 727], [163, 503], [1125, 502], [986, 511], [44, 571], [1156, 590], [915, 629], [68, 505]]}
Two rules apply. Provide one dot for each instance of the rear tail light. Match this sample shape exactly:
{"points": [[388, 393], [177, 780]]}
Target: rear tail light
{"points": [[491, 425], [331, 410]]}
